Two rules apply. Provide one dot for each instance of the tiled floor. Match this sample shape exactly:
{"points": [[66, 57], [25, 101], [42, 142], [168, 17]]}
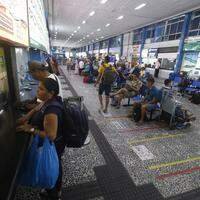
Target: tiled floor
{"points": [[163, 165]]}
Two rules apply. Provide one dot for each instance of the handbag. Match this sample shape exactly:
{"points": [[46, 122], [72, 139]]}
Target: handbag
{"points": [[40, 167]]}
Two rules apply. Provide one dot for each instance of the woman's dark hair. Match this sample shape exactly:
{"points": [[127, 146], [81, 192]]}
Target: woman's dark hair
{"points": [[51, 85], [167, 82], [107, 59], [151, 79]]}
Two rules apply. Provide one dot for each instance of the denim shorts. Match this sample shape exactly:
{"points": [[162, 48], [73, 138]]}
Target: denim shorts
{"points": [[104, 88]]}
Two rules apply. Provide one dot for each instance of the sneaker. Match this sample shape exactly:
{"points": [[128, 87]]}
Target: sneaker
{"points": [[118, 107], [87, 141], [105, 111]]}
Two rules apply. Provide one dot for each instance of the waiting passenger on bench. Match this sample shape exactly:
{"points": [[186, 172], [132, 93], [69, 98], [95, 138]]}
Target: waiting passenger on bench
{"points": [[131, 89], [149, 103]]}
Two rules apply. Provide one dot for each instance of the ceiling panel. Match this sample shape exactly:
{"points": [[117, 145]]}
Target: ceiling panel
{"points": [[67, 15]]}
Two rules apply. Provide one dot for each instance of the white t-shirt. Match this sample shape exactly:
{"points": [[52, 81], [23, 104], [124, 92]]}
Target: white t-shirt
{"points": [[157, 65], [53, 76], [81, 64]]}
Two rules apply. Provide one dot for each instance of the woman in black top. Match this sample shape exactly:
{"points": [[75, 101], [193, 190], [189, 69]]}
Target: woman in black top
{"points": [[47, 121]]}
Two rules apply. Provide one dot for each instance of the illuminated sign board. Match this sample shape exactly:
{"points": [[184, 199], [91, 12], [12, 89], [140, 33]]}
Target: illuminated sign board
{"points": [[13, 22]]}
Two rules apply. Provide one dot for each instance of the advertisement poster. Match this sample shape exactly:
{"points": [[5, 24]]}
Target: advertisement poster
{"points": [[13, 21], [3, 78], [192, 44], [191, 59], [39, 37]]}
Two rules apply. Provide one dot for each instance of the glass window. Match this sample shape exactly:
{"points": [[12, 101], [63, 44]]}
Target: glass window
{"points": [[195, 24], [173, 29], [115, 42], [96, 46], [137, 36], [159, 32], [104, 44]]}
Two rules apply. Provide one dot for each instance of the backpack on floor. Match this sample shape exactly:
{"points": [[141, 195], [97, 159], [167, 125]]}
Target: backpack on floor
{"points": [[108, 76], [196, 98], [86, 79], [137, 113], [76, 126]]}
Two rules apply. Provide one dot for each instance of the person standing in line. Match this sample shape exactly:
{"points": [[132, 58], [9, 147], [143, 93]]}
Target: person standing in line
{"points": [[107, 74], [81, 66], [76, 67], [157, 68]]}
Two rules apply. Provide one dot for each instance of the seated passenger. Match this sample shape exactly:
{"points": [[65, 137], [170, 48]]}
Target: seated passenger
{"points": [[149, 103], [131, 89], [168, 84], [47, 122]]}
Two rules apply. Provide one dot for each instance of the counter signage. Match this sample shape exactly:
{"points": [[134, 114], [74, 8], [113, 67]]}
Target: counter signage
{"points": [[39, 37], [153, 53], [13, 22]]}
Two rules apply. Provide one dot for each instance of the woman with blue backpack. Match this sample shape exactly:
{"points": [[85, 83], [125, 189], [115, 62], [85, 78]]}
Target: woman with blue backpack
{"points": [[46, 126]]}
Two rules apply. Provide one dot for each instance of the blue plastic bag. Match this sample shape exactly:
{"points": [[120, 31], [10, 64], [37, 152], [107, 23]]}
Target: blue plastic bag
{"points": [[41, 166]]}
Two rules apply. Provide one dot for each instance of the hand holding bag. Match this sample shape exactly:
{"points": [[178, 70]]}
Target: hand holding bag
{"points": [[40, 167]]}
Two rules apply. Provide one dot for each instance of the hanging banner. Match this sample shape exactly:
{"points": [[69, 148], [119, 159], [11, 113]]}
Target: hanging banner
{"points": [[13, 22]]}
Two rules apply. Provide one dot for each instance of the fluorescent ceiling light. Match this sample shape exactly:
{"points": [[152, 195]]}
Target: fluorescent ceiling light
{"points": [[120, 17], [75, 31], [84, 38], [102, 37], [79, 27], [107, 25], [88, 36], [92, 33], [140, 6], [92, 13], [72, 34], [98, 29], [97, 39], [83, 22], [103, 1]]}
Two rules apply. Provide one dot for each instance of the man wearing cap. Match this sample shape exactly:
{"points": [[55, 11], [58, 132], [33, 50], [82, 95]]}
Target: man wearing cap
{"points": [[39, 72]]}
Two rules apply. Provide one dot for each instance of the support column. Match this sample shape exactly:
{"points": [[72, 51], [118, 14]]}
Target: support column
{"points": [[144, 35], [184, 34], [109, 42], [122, 41]]}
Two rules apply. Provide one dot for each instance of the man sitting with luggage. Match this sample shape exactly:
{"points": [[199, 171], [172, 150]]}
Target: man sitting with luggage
{"points": [[131, 89], [149, 103]]}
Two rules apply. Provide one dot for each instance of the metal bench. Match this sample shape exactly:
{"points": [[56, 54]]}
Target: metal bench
{"points": [[169, 103]]}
